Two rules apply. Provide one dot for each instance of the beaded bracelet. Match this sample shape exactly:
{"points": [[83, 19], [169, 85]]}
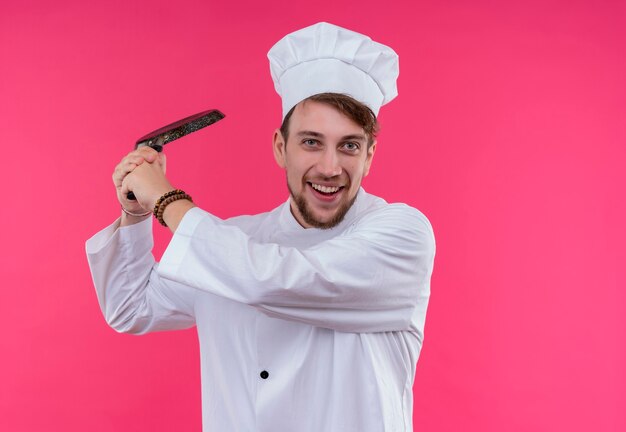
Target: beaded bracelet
{"points": [[167, 202], [167, 199], [163, 197]]}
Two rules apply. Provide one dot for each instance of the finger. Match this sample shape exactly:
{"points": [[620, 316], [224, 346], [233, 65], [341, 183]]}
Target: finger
{"points": [[124, 191], [125, 167], [121, 171], [163, 161], [135, 158], [129, 162], [148, 153], [124, 187]]}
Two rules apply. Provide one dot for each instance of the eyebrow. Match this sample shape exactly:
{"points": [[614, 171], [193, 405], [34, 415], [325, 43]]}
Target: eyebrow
{"points": [[310, 133], [353, 137]]}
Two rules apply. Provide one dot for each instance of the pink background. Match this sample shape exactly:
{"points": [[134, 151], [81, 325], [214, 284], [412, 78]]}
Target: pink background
{"points": [[509, 134]]}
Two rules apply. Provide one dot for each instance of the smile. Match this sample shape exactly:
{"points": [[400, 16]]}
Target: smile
{"points": [[325, 189]]}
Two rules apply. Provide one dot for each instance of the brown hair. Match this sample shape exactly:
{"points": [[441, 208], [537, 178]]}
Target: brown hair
{"points": [[358, 112]]}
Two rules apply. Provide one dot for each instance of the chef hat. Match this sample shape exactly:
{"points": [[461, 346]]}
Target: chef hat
{"points": [[327, 58]]}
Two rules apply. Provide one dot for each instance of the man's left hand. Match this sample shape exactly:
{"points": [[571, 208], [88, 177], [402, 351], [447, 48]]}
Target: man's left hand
{"points": [[148, 182]]}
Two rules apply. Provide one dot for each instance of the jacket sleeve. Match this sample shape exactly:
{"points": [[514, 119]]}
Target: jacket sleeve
{"points": [[132, 296], [375, 277]]}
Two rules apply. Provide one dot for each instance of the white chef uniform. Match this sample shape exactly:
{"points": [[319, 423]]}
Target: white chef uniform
{"points": [[333, 317], [299, 329]]}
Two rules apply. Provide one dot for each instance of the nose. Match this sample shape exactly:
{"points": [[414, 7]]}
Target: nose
{"points": [[328, 164]]}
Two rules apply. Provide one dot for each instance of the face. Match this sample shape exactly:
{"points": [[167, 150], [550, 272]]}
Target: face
{"points": [[326, 157]]}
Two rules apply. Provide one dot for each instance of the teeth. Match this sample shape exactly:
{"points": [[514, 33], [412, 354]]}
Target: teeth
{"points": [[325, 189]]}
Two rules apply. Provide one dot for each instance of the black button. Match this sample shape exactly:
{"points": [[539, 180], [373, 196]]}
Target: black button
{"points": [[264, 374]]}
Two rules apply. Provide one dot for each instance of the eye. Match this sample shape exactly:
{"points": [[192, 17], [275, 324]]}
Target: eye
{"points": [[351, 146], [310, 142]]}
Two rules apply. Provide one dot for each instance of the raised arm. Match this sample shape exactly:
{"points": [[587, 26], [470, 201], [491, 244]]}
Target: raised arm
{"points": [[132, 296], [376, 277]]}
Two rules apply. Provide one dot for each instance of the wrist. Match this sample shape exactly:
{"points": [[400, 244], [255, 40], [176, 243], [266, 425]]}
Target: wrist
{"points": [[126, 219], [165, 201], [174, 212], [158, 195], [134, 214]]}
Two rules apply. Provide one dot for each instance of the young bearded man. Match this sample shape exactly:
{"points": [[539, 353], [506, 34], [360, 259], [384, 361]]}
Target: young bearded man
{"points": [[310, 317]]}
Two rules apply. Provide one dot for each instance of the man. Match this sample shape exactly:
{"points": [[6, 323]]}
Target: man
{"points": [[310, 317]]}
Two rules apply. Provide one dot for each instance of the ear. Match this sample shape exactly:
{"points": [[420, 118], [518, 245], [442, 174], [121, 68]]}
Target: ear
{"points": [[369, 158], [279, 148]]}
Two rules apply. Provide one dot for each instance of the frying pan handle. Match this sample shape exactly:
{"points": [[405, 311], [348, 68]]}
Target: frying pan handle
{"points": [[158, 147]]}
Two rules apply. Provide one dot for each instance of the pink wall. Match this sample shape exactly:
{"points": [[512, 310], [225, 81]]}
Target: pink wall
{"points": [[509, 133]]}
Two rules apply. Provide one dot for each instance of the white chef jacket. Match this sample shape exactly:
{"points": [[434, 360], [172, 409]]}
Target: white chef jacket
{"points": [[299, 329]]}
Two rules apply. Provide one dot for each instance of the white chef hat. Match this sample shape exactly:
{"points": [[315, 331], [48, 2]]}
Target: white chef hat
{"points": [[327, 58]]}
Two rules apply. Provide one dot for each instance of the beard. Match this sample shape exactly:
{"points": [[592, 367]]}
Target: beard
{"points": [[309, 217]]}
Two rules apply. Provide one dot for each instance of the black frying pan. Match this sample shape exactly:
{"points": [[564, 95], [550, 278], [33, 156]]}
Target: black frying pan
{"points": [[158, 138]]}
